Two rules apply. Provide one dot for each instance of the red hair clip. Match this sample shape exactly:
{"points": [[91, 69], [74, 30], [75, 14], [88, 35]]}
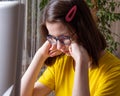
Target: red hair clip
{"points": [[70, 15]]}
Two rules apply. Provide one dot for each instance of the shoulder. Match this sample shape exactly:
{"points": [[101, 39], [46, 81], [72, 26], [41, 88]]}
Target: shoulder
{"points": [[109, 65], [106, 77], [109, 60]]}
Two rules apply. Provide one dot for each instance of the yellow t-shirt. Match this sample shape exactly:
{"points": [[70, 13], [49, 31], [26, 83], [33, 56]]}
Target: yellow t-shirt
{"points": [[104, 80]]}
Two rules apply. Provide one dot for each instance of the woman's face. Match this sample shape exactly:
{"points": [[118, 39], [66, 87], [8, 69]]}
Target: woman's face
{"points": [[59, 37]]}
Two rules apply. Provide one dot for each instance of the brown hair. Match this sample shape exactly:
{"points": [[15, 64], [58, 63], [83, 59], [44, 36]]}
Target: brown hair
{"points": [[86, 30]]}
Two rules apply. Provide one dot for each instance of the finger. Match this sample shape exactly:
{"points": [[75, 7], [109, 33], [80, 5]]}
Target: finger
{"points": [[72, 46], [55, 53], [47, 44], [70, 49]]}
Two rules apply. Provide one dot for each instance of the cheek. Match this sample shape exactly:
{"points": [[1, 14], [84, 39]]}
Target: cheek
{"points": [[53, 47], [65, 49]]}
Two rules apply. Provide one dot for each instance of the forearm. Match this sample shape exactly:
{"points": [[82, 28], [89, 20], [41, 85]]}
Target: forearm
{"points": [[81, 81], [30, 76]]}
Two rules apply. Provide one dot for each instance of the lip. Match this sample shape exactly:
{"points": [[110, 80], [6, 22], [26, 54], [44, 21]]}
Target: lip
{"points": [[66, 52]]}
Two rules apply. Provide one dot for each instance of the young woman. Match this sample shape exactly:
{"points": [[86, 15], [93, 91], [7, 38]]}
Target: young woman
{"points": [[78, 64]]}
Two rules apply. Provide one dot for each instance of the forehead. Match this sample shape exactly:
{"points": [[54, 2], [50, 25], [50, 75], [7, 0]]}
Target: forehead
{"points": [[56, 28]]}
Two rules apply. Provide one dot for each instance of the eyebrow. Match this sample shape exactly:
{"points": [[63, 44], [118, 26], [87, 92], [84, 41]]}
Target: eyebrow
{"points": [[66, 35]]}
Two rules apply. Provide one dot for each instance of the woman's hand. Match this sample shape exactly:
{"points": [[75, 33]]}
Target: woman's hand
{"points": [[55, 52], [48, 51], [79, 53], [44, 50]]}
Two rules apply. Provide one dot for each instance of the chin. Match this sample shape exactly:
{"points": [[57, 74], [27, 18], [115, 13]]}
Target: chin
{"points": [[68, 54]]}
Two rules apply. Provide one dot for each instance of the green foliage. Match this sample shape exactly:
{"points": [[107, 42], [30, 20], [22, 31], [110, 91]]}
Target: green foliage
{"points": [[106, 16], [43, 3]]}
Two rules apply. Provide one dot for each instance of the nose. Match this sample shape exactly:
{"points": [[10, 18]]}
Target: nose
{"points": [[59, 45]]}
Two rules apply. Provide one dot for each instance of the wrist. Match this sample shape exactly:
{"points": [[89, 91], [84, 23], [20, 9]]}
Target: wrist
{"points": [[40, 56], [81, 65]]}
